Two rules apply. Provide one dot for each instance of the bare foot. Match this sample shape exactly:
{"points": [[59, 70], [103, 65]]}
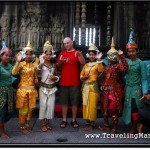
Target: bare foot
{"points": [[132, 131], [89, 128], [114, 131], [86, 128], [43, 128], [100, 128], [105, 127], [48, 126], [25, 131], [4, 136], [29, 130], [139, 127]]}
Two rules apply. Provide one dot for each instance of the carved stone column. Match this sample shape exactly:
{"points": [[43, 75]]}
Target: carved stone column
{"points": [[83, 23], [108, 40], [77, 23], [96, 11], [126, 22], [131, 15]]}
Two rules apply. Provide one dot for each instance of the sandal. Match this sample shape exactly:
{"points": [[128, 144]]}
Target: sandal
{"points": [[63, 124], [74, 124]]}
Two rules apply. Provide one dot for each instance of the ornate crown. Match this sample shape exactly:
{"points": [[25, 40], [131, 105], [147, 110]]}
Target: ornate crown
{"points": [[29, 46], [47, 47], [112, 50]]}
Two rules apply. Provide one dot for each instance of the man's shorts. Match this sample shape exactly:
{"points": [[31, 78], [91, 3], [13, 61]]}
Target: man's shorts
{"points": [[70, 95]]}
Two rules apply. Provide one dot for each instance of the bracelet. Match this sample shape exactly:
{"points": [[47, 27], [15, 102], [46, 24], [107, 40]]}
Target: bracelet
{"points": [[99, 61], [57, 79]]}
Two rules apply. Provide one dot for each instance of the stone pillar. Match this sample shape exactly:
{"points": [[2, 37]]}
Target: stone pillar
{"points": [[96, 12], [83, 23], [77, 23], [108, 40], [126, 22]]}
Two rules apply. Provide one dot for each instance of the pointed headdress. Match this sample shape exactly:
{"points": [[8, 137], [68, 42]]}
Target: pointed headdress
{"points": [[47, 47], [29, 46], [131, 43], [112, 50], [5, 48]]}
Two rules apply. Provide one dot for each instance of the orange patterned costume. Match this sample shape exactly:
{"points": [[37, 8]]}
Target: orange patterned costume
{"points": [[26, 93]]}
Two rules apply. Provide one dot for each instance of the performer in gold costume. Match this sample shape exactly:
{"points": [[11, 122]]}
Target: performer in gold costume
{"points": [[90, 89], [26, 94]]}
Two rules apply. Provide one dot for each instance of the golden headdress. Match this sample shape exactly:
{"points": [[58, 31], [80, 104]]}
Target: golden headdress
{"points": [[29, 46], [112, 50], [47, 47], [93, 47]]}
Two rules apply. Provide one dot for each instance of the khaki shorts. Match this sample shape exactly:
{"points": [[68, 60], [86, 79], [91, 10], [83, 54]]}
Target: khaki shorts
{"points": [[70, 95]]}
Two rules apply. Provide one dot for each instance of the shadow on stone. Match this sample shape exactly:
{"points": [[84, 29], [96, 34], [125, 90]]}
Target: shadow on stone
{"points": [[62, 139]]}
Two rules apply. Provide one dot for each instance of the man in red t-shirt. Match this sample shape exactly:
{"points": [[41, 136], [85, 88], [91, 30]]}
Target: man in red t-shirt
{"points": [[69, 63]]}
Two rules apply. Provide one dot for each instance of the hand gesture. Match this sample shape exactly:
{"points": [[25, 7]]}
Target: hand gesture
{"points": [[145, 97], [41, 58], [120, 52], [99, 55], [62, 59], [85, 77], [79, 53], [18, 57], [36, 82], [52, 77]]}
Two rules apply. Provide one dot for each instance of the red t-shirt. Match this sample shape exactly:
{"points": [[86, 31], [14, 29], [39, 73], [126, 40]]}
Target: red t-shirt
{"points": [[70, 70]]}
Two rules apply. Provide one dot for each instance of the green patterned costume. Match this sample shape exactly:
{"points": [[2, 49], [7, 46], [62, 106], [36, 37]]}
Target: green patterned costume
{"points": [[6, 93], [136, 86]]}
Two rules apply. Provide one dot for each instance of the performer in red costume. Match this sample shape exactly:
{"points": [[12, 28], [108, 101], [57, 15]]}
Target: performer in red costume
{"points": [[112, 87]]}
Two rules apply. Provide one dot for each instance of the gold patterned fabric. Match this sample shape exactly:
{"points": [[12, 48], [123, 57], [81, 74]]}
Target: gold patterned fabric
{"points": [[26, 94]]}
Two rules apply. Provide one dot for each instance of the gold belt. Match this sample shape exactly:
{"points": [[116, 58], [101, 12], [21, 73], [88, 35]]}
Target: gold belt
{"points": [[89, 83], [27, 87], [108, 88], [47, 85]]}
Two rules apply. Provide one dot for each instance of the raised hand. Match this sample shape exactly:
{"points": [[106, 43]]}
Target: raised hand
{"points": [[99, 55], [120, 52], [41, 58], [79, 53], [18, 57]]}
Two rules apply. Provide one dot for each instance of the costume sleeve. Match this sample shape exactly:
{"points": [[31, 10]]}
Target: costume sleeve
{"points": [[144, 78], [35, 63], [100, 67], [82, 72], [123, 66], [35, 74], [16, 69]]}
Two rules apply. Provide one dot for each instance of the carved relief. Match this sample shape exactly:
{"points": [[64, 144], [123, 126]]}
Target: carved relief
{"points": [[56, 30], [5, 29], [13, 34], [36, 19]]}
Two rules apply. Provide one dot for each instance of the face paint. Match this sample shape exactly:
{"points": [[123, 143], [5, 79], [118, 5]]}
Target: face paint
{"points": [[113, 57]]}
